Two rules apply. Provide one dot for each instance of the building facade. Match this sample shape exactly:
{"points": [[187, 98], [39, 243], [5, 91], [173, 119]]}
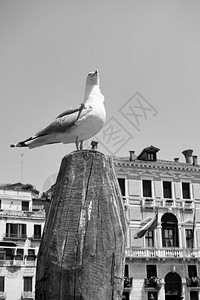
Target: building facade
{"points": [[164, 263], [22, 218]]}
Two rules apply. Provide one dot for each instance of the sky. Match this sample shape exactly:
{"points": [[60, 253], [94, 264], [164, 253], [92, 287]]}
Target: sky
{"points": [[148, 57]]}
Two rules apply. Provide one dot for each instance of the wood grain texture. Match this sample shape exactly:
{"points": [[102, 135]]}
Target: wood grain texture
{"points": [[82, 253]]}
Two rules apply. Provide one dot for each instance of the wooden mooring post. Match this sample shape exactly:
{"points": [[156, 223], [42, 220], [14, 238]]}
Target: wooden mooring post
{"points": [[82, 253]]}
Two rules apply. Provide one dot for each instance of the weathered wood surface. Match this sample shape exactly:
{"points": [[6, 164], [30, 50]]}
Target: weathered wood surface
{"points": [[82, 252]]}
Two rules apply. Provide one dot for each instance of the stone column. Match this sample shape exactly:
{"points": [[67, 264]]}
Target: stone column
{"points": [[180, 236]]}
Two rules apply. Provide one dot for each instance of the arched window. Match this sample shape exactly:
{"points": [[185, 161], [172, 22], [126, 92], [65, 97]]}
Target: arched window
{"points": [[169, 230]]}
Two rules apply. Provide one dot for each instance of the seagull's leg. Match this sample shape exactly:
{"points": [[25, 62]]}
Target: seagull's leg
{"points": [[81, 145], [76, 142], [81, 108]]}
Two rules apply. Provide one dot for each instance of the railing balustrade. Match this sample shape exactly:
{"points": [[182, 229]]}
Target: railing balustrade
{"points": [[152, 202], [2, 295], [162, 253], [27, 295]]}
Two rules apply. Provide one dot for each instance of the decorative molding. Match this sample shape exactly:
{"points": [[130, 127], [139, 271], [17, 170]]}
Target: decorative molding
{"points": [[158, 165], [186, 176], [148, 173], [168, 175], [122, 171]]}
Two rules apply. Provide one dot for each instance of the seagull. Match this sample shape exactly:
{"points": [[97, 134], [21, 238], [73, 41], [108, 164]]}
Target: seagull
{"points": [[75, 125]]}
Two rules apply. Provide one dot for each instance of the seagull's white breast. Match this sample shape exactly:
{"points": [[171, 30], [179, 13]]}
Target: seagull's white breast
{"points": [[89, 125]]}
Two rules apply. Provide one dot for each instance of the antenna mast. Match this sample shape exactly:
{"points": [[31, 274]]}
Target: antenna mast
{"points": [[22, 166]]}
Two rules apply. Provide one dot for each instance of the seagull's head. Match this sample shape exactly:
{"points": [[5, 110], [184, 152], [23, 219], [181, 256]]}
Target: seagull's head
{"points": [[93, 78]]}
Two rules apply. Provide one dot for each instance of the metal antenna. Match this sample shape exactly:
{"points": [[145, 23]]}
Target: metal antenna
{"points": [[22, 166]]}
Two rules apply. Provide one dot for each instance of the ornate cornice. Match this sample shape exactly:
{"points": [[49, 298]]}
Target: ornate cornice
{"points": [[164, 165]]}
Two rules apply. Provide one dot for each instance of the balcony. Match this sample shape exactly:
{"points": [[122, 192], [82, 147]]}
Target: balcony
{"points": [[188, 205], [128, 283], [162, 253], [30, 263], [148, 202], [23, 214], [36, 237], [152, 283], [193, 282], [17, 263], [2, 295], [167, 203], [14, 236], [151, 203], [8, 263], [27, 295]]}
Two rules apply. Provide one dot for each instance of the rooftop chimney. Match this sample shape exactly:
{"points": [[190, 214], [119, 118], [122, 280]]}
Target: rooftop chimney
{"points": [[94, 145], [195, 162], [188, 156], [176, 159], [132, 155]]}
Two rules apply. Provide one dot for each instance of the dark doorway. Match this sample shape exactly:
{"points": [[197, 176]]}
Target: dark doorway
{"points": [[172, 297], [125, 296], [173, 286]]}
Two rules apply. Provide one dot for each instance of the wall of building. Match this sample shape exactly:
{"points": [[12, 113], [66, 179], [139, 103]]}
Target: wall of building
{"points": [[16, 268], [141, 209]]}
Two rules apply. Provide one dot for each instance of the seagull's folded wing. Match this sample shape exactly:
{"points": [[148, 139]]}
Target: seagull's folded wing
{"points": [[70, 111], [64, 121]]}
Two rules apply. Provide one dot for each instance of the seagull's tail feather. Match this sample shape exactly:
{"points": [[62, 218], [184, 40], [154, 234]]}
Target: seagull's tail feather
{"points": [[22, 144], [35, 141]]}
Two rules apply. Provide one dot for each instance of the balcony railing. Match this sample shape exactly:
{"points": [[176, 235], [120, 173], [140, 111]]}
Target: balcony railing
{"points": [[149, 202], [2, 295], [152, 282], [162, 253], [30, 263], [6, 263], [128, 282], [166, 203], [27, 295], [188, 204], [15, 236], [18, 263], [36, 237], [23, 214], [193, 281]]}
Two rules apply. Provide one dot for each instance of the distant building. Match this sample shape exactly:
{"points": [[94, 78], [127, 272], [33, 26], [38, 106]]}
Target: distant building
{"points": [[22, 218], [164, 263]]}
